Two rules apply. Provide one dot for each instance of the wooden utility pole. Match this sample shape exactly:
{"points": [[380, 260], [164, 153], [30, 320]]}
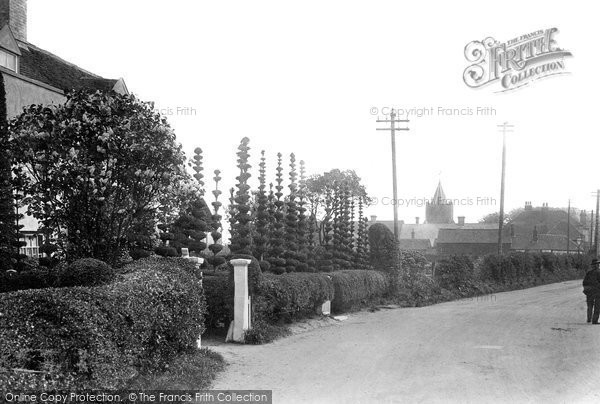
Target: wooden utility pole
{"points": [[504, 128], [392, 121], [591, 230], [569, 228], [596, 229]]}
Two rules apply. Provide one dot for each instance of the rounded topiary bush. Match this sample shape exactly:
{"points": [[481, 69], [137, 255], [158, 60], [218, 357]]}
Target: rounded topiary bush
{"points": [[85, 272], [166, 251]]}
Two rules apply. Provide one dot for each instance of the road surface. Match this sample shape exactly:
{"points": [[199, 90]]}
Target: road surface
{"points": [[524, 346]]}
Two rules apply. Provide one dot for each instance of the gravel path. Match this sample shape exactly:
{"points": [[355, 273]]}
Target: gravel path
{"points": [[530, 345]]}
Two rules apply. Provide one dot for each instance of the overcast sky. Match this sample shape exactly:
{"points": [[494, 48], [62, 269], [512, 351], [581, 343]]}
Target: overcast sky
{"points": [[305, 77]]}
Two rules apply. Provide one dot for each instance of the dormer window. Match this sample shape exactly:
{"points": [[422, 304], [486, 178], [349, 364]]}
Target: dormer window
{"points": [[8, 60]]}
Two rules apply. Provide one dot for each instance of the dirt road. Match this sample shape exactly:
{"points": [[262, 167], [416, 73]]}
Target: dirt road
{"points": [[525, 346]]}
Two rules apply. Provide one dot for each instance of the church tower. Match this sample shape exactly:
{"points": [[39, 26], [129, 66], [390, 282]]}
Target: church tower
{"points": [[439, 210]]}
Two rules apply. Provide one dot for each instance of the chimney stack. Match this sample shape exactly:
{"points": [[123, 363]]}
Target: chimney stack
{"points": [[527, 205], [14, 14], [461, 220], [373, 218], [417, 220], [412, 234]]}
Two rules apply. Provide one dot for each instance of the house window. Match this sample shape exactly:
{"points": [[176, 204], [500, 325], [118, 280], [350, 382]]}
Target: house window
{"points": [[8, 60], [31, 249]]}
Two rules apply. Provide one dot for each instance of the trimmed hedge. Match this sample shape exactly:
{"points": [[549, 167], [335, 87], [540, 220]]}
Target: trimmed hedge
{"points": [[85, 272], [82, 272], [291, 296], [455, 272], [521, 266], [356, 287], [218, 291], [100, 337]]}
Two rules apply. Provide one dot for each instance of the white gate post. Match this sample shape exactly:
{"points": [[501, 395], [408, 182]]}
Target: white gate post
{"points": [[241, 312]]}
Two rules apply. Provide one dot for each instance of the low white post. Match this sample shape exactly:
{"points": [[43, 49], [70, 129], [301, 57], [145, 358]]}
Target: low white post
{"points": [[241, 312], [326, 308]]}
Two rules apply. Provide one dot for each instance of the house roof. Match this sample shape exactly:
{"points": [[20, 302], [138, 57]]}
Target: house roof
{"points": [[419, 244], [48, 68], [545, 220], [469, 236], [430, 230], [550, 242]]}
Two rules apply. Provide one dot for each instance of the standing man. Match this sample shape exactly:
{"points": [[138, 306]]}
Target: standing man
{"points": [[591, 288]]}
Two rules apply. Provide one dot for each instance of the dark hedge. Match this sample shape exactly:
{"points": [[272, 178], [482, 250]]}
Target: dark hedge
{"points": [[100, 337], [82, 272], [356, 287]]}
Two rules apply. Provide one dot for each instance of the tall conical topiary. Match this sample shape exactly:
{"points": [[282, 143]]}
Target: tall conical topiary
{"points": [[294, 260], [216, 233], [241, 238], [198, 168], [189, 229], [261, 240], [277, 250], [361, 238], [303, 225]]}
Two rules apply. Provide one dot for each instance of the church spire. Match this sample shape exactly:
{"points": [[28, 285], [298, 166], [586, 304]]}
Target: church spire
{"points": [[439, 197]]}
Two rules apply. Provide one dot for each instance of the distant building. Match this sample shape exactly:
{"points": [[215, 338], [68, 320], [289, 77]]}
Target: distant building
{"points": [[35, 76], [424, 237], [548, 229], [464, 241], [541, 229]]}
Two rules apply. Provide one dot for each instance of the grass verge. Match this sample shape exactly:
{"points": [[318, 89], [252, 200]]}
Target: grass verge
{"points": [[193, 370]]}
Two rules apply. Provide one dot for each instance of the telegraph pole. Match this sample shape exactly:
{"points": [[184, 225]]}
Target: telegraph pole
{"points": [[393, 121], [596, 229], [569, 228], [504, 128], [591, 230]]}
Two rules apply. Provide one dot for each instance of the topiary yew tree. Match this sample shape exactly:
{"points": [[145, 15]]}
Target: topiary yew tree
{"points": [[277, 215], [94, 167], [241, 236], [262, 222], [216, 247], [189, 229]]}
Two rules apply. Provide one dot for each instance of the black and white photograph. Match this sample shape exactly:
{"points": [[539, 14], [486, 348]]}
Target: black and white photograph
{"points": [[299, 202]]}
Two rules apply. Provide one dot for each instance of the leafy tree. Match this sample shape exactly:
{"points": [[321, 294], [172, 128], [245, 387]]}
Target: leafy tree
{"points": [[9, 236], [320, 185], [493, 217], [384, 248], [94, 167]]}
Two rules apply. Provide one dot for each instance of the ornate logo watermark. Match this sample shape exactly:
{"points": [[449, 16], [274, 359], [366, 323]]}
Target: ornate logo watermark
{"points": [[514, 63]]}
